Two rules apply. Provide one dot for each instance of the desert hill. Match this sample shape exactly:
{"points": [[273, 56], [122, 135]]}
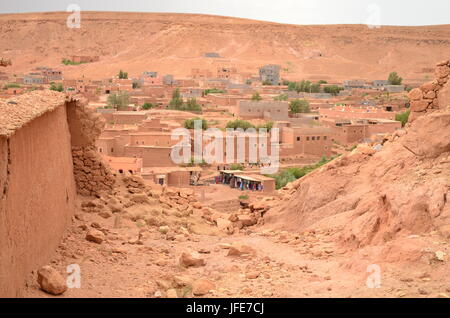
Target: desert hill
{"points": [[176, 43], [381, 197]]}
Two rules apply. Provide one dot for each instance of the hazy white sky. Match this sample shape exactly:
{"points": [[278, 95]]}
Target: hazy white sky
{"points": [[382, 12]]}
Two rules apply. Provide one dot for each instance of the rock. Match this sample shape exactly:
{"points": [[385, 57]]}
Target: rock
{"points": [[443, 295], [442, 71], [171, 293], [157, 294], [247, 220], [252, 275], [202, 287], [139, 198], [95, 236], [51, 281], [223, 224], [430, 95], [163, 229], [224, 246], [105, 214], [422, 291], [419, 106], [182, 281], [240, 250], [440, 256], [191, 259]]}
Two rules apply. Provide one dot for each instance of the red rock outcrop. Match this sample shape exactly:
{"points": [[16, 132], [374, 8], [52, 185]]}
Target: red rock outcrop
{"points": [[370, 197]]}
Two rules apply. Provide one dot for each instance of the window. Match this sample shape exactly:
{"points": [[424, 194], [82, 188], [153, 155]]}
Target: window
{"points": [[307, 138], [298, 138], [318, 137], [100, 150], [324, 137], [313, 138], [112, 149]]}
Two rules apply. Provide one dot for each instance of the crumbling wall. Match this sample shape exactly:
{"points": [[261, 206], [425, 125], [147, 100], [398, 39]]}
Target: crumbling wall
{"points": [[432, 95], [92, 175], [37, 196]]}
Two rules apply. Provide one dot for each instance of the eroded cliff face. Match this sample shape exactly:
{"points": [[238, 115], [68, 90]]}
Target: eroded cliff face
{"points": [[372, 197]]}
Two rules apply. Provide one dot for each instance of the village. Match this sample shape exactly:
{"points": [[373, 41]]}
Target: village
{"points": [[315, 120], [181, 155]]}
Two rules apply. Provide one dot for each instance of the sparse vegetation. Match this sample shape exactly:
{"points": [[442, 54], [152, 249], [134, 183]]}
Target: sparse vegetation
{"points": [[177, 103], [333, 89], [281, 97], [119, 100], [403, 117], [213, 91], [69, 62], [304, 86], [394, 79], [147, 106], [243, 197], [291, 174], [299, 106], [58, 88], [11, 85], [190, 123], [237, 166], [122, 75], [239, 123], [256, 97]]}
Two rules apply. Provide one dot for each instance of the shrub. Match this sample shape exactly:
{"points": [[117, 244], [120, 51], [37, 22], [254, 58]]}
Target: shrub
{"points": [[237, 166], [189, 123], [394, 79], [282, 97], [123, 75], [403, 117], [58, 88], [299, 106], [333, 89], [239, 123], [256, 97], [147, 106], [291, 174], [243, 197], [119, 100]]}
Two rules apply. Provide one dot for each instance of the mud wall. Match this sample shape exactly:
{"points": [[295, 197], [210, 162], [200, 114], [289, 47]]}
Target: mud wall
{"points": [[37, 196], [91, 174]]}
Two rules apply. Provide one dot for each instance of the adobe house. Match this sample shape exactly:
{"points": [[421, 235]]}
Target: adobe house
{"points": [[47, 155], [310, 140], [269, 110]]}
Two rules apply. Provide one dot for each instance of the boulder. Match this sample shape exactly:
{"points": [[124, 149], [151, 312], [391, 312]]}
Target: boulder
{"points": [[415, 94], [191, 259], [51, 281], [202, 287], [95, 236]]}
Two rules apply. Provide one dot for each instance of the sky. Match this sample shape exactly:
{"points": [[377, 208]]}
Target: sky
{"points": [[372, 12]]}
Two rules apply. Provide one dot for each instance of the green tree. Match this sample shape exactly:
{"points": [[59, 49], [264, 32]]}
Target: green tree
{"points": [[123, 75], [333, 89], [177, 101], [256, 97], [192, 105], [394, 79], [299, 106], [119, 100], [190, 123], [268, 125], [147, 106], [239, 123], [237, 166]]}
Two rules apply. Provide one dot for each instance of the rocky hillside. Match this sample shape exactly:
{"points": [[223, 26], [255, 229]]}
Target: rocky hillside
{"points": [[370, 197], [175, 43]]}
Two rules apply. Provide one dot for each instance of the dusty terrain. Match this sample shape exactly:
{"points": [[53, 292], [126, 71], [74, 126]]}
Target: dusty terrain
{"points": [[175, 43], [373, 211]]}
